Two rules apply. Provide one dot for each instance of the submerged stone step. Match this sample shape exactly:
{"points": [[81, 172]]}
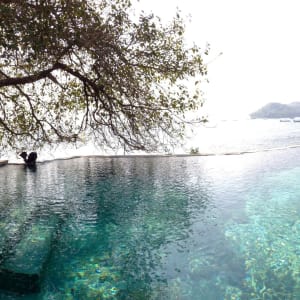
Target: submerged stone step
{"points": [[21, 271], [12, 228], [18, 282]]}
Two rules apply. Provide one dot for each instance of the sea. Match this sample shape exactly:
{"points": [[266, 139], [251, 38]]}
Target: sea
{"points": [[238, 136]]}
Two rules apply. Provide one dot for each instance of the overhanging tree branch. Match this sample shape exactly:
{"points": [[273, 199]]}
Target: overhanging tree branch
{"points": [[9, 81], [97, 72]]}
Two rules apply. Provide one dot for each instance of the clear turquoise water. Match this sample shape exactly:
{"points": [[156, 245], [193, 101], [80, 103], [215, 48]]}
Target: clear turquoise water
{"points": [[223, 227]]}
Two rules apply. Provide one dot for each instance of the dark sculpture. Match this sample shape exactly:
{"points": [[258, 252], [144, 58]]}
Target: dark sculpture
{"points": [[30, 161]]}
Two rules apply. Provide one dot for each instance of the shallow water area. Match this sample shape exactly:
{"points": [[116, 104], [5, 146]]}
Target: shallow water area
{"points": [[220, 227]]}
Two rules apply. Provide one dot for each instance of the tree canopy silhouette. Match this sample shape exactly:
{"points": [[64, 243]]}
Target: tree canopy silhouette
{"points": [[70, 68]]}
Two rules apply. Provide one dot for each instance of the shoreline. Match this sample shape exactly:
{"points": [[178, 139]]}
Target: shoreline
{"points": [[6, 162]]}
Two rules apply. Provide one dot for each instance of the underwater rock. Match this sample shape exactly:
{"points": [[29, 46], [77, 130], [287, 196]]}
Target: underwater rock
{"points": [[94, 278]]}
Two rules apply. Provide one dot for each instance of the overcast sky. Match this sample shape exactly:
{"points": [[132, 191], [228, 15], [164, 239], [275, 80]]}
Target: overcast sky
{"points": [[260, 42]]}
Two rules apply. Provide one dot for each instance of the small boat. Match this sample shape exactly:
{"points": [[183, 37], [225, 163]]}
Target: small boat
{"points": [[285, 120], [297, 119]]}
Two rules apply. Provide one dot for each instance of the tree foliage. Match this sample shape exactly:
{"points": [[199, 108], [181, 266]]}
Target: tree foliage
{"points": [[70, 68]]}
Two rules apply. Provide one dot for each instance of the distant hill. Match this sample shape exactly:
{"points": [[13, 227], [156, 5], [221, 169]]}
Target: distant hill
{"points": [[277, 110]]}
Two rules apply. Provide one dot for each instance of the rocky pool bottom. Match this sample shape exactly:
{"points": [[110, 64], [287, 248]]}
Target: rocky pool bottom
{"points": [[188, 228]]}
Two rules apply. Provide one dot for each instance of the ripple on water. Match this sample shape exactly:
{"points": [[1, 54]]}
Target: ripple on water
{"points": [[160, 228]]}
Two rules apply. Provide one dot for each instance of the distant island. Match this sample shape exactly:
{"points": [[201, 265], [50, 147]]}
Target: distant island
{"points": [[276, 110]]}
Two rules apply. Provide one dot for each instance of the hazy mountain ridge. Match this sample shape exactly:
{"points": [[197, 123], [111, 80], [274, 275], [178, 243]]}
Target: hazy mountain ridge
{"points": [[275, 110]]}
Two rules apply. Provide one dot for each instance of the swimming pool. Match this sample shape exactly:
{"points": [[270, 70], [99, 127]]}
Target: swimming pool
{"points": [[220, 227]]}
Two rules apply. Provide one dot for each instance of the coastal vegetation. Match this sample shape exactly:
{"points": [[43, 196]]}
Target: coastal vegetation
{"points": [[76, 69]]}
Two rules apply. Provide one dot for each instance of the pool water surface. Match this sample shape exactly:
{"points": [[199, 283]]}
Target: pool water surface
{"points": [[188, 228]]}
